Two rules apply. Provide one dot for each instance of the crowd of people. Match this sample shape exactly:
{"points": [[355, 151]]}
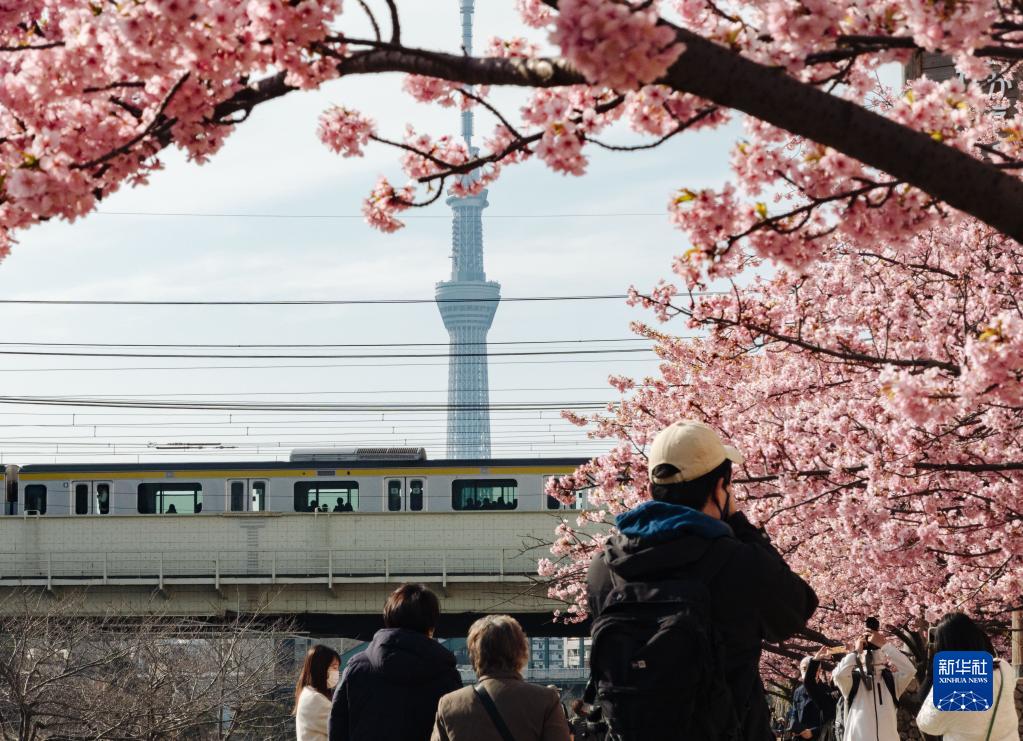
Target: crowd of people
{"points": [[860, 698], [681, 600]]}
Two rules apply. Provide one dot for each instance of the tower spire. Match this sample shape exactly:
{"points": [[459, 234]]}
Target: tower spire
{"points": [[468, 10], [467, 305]]}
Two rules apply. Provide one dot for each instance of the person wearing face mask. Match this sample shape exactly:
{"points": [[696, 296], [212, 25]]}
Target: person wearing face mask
{"points": [[391, 690], [316, 683], [690, 557]]}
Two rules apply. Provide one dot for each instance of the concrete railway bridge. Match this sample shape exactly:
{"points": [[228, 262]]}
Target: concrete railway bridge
{"points": [[327, 572]]}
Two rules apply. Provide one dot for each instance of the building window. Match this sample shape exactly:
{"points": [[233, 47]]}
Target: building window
{"points": [[35, 498], [103, 499], [488, 494], [326, 496], [415, 495], [81, 499], [170, 499]]}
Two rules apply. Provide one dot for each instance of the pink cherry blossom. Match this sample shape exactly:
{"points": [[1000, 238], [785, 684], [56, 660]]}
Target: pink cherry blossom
{"points": [[345, 131]]}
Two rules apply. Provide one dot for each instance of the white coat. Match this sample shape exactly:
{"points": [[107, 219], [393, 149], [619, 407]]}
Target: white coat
{"points": [[965, 725], [311, 716], [873, 716]]}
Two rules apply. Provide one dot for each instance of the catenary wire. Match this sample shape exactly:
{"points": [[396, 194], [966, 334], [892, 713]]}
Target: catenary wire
{"points": [[323, 356], [277, 366], [327, 302], [207, 214], [371, 344]]}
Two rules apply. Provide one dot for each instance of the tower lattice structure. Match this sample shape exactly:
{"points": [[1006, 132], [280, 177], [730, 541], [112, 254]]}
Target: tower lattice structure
{"points": [[467, 303]]}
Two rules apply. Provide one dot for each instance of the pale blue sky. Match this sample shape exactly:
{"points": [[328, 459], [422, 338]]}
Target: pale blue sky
{"points": [[274, 164]]}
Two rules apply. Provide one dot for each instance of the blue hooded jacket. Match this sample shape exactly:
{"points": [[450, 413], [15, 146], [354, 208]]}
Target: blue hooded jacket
{"points": [[657, 522]]}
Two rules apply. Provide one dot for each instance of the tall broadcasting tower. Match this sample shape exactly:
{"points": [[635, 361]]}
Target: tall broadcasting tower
{"points": [[467, 305]]}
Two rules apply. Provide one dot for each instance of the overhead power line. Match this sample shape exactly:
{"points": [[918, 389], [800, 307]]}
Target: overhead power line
{"points": [[294, 407], [327, 302], [369, 344], [333, 356], [278, 366], [308, 302], [207, 214]]}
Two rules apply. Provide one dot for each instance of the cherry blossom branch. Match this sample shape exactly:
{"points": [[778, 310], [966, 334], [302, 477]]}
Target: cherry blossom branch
{"points": [[372, 19], [844, 355], [158, 121]]}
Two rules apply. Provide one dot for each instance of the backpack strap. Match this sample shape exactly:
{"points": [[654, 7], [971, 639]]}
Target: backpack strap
{"points": [[998, 698], [855, 688], [889, 682], [492, 711]]}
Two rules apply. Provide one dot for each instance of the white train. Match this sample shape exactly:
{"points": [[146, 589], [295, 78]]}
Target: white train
{"points": [[321, 481]]}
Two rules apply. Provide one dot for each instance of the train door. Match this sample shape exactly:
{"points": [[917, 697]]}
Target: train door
{"points": [[405, 494], [246, 495], [91, 497]]}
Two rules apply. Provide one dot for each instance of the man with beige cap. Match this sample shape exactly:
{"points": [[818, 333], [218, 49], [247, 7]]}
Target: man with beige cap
{"points": [[682, 598]]}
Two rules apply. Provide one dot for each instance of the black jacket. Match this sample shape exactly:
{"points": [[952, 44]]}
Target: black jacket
{"points": [[804, 715], [755, 596], [824, 696], [390, 691]]}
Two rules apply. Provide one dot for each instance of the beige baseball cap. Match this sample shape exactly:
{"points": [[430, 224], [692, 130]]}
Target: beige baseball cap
{"points": [[694, 448]]}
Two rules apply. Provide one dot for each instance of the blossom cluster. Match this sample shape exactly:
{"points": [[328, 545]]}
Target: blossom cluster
{"points": [[878, 398], [345, 131]]}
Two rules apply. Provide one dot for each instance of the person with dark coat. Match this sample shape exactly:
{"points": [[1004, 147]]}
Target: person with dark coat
{"points": [[391, 690], [806, 719], [693, 528], [825, 695]]}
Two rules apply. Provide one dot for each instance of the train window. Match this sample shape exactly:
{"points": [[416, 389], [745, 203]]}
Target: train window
{"points": [[326, 496], [170, 499], [258, 496], [415, 495], [484, 494], [394, 495], [103, 499], [555, 503], [35, 498], [237, 496], [81, 499]]}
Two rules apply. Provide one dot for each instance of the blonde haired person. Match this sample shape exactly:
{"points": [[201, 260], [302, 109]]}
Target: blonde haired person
{"points": [[501, 706]]}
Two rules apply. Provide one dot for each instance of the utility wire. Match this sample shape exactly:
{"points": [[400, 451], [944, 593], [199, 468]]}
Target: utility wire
{"points": [[330, 302], [330, 356], [246, 406], [616, 361], [371, 344], [310, 302], [200, 214]]}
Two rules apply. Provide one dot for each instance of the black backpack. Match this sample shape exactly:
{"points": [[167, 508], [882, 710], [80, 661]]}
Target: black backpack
{"points": [[656, 663]]}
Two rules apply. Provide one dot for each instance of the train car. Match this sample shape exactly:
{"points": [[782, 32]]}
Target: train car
{"points": [[316, 481]]}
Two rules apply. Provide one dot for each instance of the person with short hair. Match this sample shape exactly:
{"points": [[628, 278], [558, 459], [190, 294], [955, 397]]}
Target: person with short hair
{"points": [[390, 690], [693, 531], [315, 685], [956, 631], [499, 652]]}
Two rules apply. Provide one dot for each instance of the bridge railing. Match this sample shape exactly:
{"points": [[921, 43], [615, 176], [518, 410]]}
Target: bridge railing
{"points": [[215, 565]]}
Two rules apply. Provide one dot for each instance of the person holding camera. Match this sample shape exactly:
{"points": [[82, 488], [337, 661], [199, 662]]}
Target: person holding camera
{"points": [[682, 600], [871, 688], [957, 632]]}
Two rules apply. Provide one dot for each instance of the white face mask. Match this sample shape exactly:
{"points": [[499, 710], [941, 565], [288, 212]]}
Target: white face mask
{"points": [[333, 677]]}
